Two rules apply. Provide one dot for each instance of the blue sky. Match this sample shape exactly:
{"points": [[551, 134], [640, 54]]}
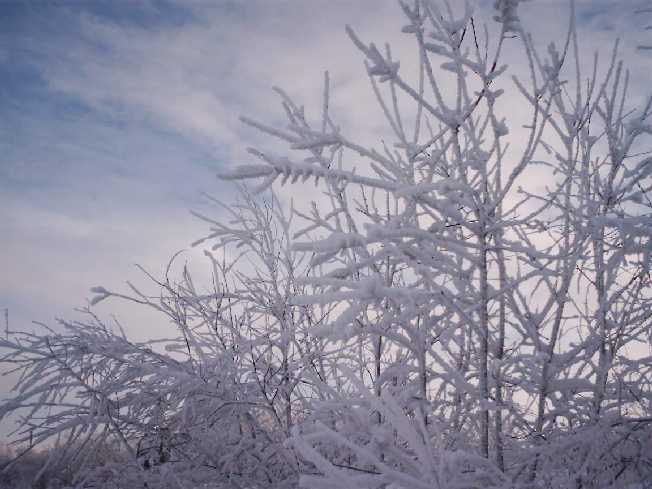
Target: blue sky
{"points": [[89, 184], [116, 115]]}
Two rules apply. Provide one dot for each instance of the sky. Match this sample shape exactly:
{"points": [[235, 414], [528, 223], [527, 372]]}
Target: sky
{"points": [[116, 116]]}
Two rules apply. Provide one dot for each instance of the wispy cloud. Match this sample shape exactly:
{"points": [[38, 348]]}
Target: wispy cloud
{"points": [[115, 115]]}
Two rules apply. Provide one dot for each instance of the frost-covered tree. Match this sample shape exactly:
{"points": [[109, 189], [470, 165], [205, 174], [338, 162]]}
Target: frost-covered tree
{"points": [[214, 401], [513, 308], [434, 319]]}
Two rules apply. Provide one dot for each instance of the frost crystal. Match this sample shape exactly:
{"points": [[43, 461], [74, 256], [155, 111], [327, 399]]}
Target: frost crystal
{"points": [[508, 15]]}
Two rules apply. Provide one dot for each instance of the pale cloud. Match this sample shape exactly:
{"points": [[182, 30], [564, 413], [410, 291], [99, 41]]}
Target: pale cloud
{"points": [[111, 128], [190, 80]]}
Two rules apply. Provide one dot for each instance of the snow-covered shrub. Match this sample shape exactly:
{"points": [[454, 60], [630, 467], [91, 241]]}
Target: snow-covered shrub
{"points": [[467, 306]]}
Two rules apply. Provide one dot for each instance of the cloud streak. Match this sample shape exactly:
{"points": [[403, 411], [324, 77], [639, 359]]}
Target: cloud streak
{"points": [[114, 116]]}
